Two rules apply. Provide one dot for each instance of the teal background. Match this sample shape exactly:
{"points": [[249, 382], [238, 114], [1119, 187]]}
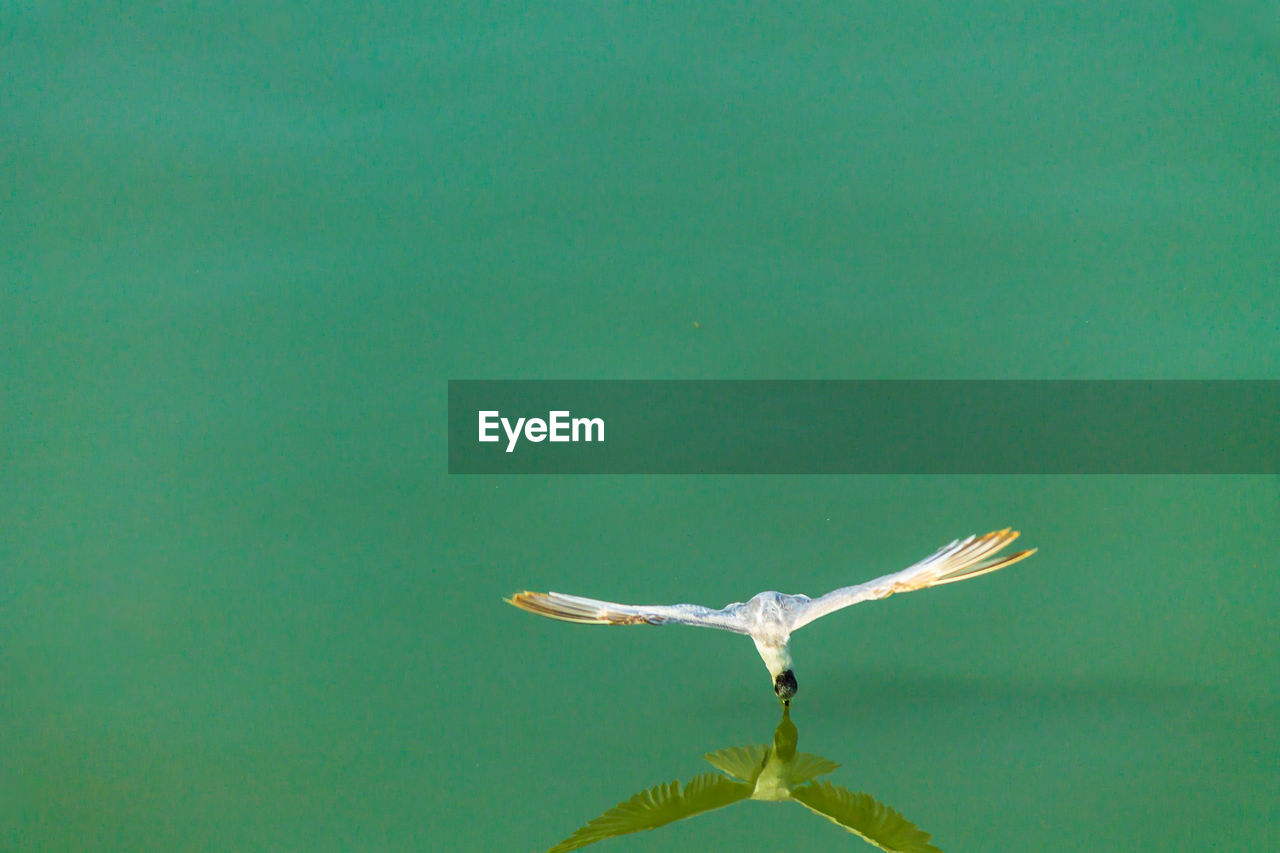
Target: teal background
{"points": [[242, 605]]}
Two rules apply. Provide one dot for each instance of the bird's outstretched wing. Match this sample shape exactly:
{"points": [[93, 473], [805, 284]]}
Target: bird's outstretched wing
{"points": [[589, 611], [961, 560]]}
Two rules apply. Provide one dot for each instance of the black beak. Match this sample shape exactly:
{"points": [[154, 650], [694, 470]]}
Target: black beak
{"points": [[785, 686]]}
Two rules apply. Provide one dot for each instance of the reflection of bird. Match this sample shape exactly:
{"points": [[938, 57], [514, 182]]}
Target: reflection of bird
{"points": [[770, 617], [773, 774]]}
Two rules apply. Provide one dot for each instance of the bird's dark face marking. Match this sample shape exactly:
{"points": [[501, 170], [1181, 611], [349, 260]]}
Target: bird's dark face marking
{"points": [[785, 686]]}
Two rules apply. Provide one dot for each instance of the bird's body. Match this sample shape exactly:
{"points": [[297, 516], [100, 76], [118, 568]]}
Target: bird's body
{"points": [[770, 617], [769, 613]]}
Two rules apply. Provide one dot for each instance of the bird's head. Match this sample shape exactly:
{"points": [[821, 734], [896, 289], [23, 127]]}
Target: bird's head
{"points": [[784, 684]]}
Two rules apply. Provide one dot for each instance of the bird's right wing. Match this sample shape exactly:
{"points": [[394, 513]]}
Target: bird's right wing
{"points": [[961, 560], [589, 611]]}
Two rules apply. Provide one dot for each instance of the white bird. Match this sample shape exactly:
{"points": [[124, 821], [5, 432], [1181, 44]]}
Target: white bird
{"points": [[770, 617]]}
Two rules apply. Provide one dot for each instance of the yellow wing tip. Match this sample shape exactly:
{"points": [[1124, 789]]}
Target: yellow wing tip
{"points": [[986, 567], [523, 598]]}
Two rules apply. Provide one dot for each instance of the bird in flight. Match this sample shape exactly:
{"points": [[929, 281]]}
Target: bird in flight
{"points": [[770, 617]]}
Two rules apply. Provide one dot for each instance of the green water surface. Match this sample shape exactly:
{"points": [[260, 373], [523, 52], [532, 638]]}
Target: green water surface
{"points": [[243, 606]]}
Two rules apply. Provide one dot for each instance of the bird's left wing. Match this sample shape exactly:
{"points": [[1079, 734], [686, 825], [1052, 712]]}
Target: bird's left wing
{"points": [[961, 560], [589, 611]]}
